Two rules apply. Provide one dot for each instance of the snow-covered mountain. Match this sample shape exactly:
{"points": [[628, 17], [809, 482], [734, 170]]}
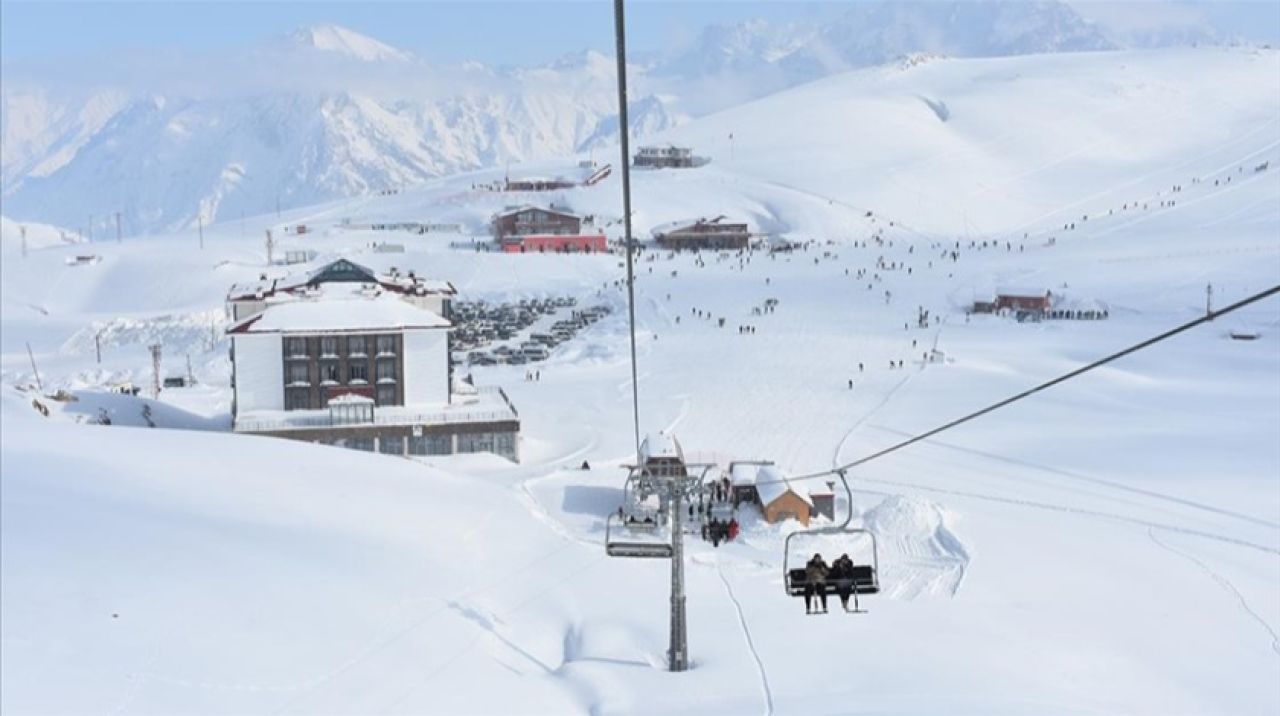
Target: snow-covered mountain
{"points": [[342, 114], [340, 40], [874, 33], [163, 159]]}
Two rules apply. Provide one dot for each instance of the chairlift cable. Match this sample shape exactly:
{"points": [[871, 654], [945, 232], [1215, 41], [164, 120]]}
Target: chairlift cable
{"points": [[1031, 391], [623, 127]]}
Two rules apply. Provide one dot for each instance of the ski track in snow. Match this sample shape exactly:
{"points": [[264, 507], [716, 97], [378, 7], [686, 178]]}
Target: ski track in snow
{"points": [[766, 692], [1226, 586], [1079, 511], [1095, 480]]}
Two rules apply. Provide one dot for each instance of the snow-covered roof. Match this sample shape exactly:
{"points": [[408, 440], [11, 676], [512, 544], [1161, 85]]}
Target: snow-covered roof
{"points": [[1022, 291], [328, 313], [743, 474], [340, 271], [530, 207], [772, 484], [660, 445], [350, 399]]}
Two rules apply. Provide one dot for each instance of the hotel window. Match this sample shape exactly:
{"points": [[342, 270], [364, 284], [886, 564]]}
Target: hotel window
{"points": [[391, 444], [386, 395], [328, 346], [386, 345], [475, 442], [355, 346], [357, 373], [505, 445], [386, 371], [298, 374], [297, 400], [434, 444], [295, 347], [330, 372], [365, 444]]}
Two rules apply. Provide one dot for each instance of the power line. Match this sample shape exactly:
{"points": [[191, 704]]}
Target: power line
{"points": [[1031, 391]]}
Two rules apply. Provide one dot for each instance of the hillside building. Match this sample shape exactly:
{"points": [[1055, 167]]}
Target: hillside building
{"points": [[533, 229], [779, 499], [715, 234], [538, 184], [666, 157], [1023, 299], [347, 357]]}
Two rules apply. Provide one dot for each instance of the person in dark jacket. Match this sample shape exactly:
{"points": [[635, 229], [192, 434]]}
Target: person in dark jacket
{"points": [[815, 583], [842, 575]]}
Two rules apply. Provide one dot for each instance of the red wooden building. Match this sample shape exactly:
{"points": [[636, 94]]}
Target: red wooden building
{"points": [[1023, 299], [531, 229]]}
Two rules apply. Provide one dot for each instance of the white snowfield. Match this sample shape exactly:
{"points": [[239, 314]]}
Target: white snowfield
{"points": [[1111, 545]]}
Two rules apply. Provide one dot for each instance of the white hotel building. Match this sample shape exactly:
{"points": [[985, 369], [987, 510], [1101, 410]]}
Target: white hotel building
{"points": [[347, 357]]}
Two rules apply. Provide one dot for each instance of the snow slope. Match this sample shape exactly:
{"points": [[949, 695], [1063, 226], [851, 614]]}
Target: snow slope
{"points": [[1109, 546]]}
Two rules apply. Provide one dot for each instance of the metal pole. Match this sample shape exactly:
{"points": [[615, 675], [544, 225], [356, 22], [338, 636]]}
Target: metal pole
{"points": [[97, 346], [620, 35], [34, 369], [678, 653], [1208, 301], [200, 226], [23, 230], [155, 371], [118, 239]]}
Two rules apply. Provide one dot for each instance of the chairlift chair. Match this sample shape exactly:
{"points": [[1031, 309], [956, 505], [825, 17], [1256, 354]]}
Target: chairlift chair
{"points": [[635, 539], [865, 578]]}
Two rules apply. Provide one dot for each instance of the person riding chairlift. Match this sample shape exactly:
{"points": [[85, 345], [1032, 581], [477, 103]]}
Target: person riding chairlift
{"points": [[815, 583], [842, 572]]}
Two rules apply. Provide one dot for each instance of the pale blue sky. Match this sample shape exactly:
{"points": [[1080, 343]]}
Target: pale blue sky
{"points": [[511, 32], [519, 32]]}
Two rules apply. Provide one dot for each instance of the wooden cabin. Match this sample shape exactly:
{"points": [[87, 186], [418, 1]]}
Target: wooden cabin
{"points": [[779, 499], [1021, 299]]}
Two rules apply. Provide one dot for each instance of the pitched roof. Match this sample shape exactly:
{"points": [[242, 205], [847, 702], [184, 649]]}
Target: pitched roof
{"points": [[340, 271], [772, 484], [328, 313], [530, 207], [660, 445]]}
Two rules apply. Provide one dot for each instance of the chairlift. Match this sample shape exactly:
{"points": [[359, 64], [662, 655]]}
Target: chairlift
{"points": [[637, 530], [863, 578], [628, 536]]}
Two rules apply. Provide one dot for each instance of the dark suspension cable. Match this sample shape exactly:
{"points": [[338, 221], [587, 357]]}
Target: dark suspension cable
{"points": [[1031, 391], [623, 127]]}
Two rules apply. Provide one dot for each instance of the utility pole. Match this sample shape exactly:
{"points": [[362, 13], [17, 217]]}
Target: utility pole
{"points": [[155, 371], [270, 248], [34, 369], [200, 226], [118, 234], [1208, 301], [678, 652]]}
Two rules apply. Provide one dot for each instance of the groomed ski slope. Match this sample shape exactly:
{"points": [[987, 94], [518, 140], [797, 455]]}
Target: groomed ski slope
{"points": [[1109, 546]]}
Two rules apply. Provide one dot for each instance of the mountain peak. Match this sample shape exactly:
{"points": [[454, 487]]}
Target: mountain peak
{"points": [[347, 42]]}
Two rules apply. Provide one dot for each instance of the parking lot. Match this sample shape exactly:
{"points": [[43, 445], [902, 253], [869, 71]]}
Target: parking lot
{"points": [[517, 333]]}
